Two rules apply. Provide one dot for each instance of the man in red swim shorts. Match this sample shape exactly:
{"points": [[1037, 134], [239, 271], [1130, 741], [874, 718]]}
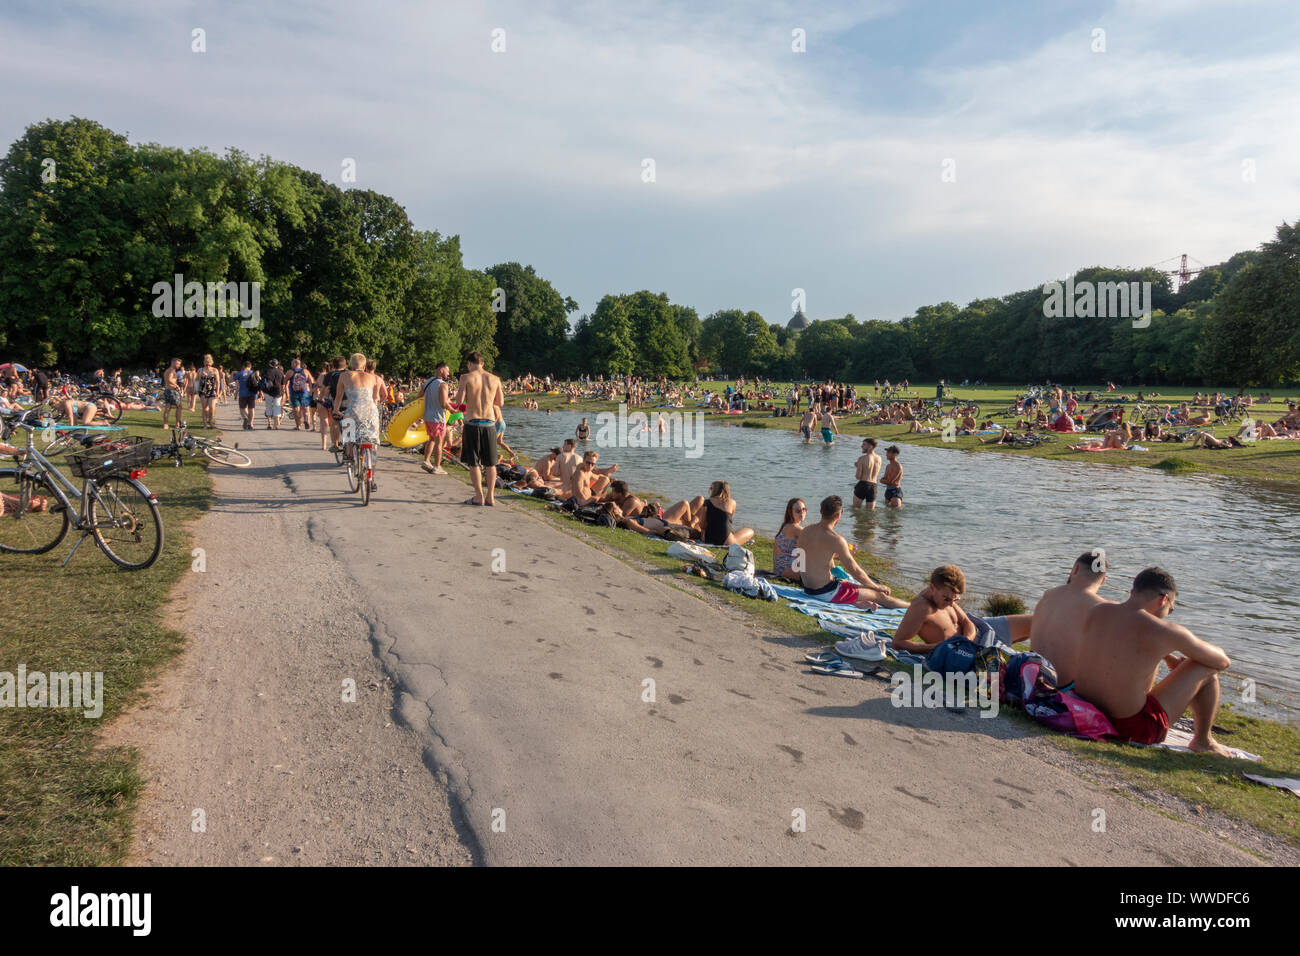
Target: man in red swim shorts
{"points": [[1122, 647], [818, 548]]}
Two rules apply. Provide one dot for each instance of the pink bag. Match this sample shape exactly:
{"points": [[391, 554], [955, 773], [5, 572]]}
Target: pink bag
{"points": [[1068, 713]]}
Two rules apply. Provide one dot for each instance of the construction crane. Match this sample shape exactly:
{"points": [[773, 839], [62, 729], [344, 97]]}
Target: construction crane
{"points": [[1183, 272]]}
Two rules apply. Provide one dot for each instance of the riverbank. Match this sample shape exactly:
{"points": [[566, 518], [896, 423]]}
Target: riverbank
{"points": [[1193, 787], [65, 798], [1276, 461]]}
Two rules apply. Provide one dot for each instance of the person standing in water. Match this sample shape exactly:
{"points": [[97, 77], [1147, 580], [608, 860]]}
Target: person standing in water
{"points": [[583, 431], [805, 424], [829, 428], [866, 470], [893, 479]]}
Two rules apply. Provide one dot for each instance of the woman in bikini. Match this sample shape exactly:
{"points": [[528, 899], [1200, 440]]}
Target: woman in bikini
{"points": [[783, 545]]}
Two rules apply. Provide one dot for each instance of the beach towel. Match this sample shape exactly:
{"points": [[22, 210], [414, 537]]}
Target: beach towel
{"points": [[1282, 783], [687, 551], [1178, 739]]}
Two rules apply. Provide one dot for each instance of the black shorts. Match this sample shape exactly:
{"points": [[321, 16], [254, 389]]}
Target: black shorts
{"points": [[171, 397], [865, 491], [478, 448], [248, 403]]}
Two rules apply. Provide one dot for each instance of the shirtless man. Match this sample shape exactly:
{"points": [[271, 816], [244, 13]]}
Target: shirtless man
{"points": [[546, 468], [866, 470], [805, 424], [480, 391], [171, 394], [1056, 626], [1123, 646], [934, 615], [893, 479], [627, 502], [588, 482], [829, 428], [566, 463], [820, 546]]}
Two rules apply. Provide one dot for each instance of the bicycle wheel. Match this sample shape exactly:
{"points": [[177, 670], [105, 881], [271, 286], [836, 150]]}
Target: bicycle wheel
{"points": [[110, 409], [64, 441], [23, 531], [125, 521], [367, 475], [226, 456], [350, 465]]}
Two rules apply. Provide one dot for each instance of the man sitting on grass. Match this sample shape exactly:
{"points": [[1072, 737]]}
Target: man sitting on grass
{"points": [[935, 614], [1122, 647], [820, 546], [1056, 627]]}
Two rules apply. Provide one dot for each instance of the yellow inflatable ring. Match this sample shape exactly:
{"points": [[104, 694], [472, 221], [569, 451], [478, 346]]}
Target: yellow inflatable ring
{"points": [[407, 427]]}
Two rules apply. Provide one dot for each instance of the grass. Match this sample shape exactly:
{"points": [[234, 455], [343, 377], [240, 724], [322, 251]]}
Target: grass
{"points": [[1264, 460], [1209, 782], [64, 800]]}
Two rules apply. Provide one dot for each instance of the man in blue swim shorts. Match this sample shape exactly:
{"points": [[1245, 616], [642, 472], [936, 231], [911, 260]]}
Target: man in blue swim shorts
{"points": [[829, 428], [893, 479]]}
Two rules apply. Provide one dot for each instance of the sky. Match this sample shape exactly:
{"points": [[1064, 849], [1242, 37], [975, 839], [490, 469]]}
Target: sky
{"points": [[912, 152]]}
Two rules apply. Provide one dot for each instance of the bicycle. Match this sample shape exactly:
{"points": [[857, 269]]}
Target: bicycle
{"points": [[211, 449], [360, 470], [113, 506], [1031, 440]]}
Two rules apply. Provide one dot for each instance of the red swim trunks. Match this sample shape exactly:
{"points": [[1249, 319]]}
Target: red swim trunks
{"points": [[846, 593], [1148, 726], [435, 429]]}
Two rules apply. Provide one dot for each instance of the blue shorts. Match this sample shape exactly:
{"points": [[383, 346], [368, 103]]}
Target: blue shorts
{"points": [[892, 493], [501, 427], [300, 399], [828, 436]]}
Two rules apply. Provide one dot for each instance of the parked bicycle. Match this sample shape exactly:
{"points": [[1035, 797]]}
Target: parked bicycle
{"points": [[112, 506], [213, 450]]}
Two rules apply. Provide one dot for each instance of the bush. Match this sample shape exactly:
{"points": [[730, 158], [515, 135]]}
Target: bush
{"points": [[1176, 464], [1000, 605]]}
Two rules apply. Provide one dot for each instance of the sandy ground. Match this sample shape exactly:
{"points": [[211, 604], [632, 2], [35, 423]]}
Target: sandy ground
{"points": [[525, 732]]}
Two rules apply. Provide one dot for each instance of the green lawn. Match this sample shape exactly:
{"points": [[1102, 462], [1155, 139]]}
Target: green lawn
{"points": [[63, 799]]}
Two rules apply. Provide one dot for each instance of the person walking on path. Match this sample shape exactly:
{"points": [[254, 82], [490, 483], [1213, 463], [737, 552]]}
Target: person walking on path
{"points": [[480, 392]]}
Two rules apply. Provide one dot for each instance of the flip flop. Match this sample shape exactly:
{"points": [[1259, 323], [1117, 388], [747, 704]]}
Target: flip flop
{"points": [[471, 501]]}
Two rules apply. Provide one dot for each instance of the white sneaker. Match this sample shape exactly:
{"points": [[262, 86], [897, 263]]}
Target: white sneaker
{"points": [[439, 471], [864, 647]]}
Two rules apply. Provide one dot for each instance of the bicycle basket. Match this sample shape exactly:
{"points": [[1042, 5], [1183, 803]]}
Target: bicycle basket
{"points": [[116, 457]]}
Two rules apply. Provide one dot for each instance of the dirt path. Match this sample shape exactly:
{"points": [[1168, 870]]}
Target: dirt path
{"points": [[251, 727], [525, 687]]}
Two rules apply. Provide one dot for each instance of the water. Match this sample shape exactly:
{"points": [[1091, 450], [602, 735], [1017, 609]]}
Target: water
{"points": [[1015, 523]]}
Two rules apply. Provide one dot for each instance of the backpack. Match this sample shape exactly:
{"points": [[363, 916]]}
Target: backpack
{"points": [[299, 380], [253, 382], [739, 559], [960, 655], [545, 493], [676, 532], [1027, 677], [269, 388]]}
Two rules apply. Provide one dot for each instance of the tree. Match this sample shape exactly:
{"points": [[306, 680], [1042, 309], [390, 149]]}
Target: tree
{"points": [[535, 322]]}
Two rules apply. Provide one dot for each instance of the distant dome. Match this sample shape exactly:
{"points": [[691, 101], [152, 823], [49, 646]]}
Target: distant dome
{"points": [[798, 321]]}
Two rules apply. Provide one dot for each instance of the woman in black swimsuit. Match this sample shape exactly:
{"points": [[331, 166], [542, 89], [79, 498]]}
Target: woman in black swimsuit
{"points": [[719, 509]]}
